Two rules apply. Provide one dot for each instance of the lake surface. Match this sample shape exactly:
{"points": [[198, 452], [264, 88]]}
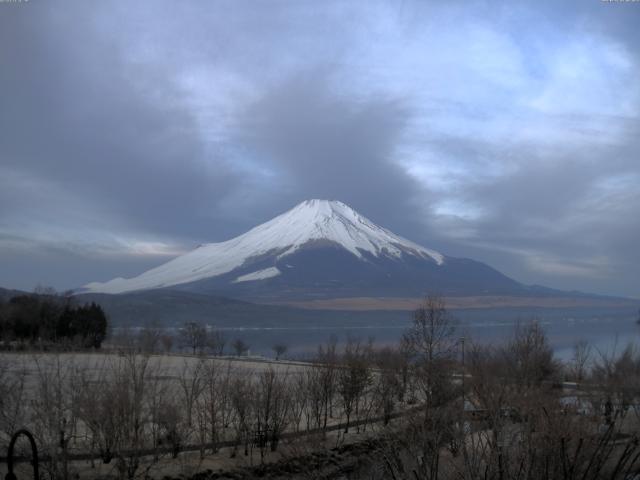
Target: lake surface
{"points": [[606, 331]]}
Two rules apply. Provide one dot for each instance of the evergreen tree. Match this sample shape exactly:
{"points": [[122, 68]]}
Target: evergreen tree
{"points": [[50, 318]]}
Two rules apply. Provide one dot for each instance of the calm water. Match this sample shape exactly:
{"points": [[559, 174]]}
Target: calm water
{"points": [[606, 331]]}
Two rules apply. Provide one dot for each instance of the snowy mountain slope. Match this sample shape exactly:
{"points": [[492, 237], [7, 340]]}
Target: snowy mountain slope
{"points": [[311, 224]]}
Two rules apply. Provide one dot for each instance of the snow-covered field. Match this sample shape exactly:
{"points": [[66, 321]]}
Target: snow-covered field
{"points": [[168, 366]]}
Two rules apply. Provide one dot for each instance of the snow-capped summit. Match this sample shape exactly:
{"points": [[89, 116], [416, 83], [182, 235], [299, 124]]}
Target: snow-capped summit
{"points": [[310, 223], [318, 249], [333, 221]]}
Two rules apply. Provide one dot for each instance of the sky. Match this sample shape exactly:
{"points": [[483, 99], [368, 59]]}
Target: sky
{"points": [[507, 132]]}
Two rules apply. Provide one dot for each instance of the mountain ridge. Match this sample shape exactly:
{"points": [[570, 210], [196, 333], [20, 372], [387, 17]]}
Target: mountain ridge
{"points": [[312, 221], [320, 249]]}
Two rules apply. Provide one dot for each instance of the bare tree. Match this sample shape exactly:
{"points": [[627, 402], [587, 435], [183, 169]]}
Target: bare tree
{"points": [[13, 396], [125, 339], [241, 394], [529, 432], [216, 400], [580, 361], [216, 342], [170, 422], [95, 410], [54, 411], [431, 344], [271, 408], [129, 409], [316, 397], [149, 338], [619, 374], [279, 349], [388, 382], [300, 401], [191, 386], [193, 336], [240, 348], [166, 341], [353, 379], [529, 355], [327, 380], [114, 409], [163, 414]]}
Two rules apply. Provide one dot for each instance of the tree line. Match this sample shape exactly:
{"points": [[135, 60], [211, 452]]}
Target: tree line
{"points": [[194, 338], [48, 319]]}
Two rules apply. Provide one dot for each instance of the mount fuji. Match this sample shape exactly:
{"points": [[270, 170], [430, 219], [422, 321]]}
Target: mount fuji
{"points": [[319, 249]]}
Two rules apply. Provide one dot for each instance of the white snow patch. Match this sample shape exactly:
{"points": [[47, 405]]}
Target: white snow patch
{"points": [[309, 221], [259, 275]]}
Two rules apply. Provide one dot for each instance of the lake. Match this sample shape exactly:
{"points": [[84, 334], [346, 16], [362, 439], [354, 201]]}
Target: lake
{"points": [[607, 330]]}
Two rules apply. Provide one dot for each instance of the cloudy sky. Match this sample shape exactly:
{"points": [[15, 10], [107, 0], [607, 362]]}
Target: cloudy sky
{"points": [[508, 132]]}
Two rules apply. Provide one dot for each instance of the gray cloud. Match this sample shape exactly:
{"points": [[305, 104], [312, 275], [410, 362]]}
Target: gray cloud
{"points": [[320, 144], [503, 132], [112, 135], [554, 216]]}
